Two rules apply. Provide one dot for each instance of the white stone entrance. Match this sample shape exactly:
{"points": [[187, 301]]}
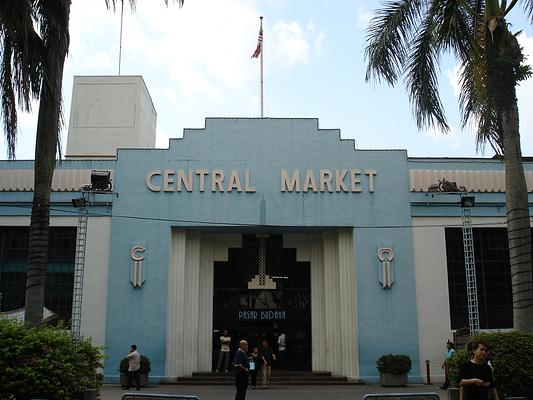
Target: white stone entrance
{"points": [[333, 298]]}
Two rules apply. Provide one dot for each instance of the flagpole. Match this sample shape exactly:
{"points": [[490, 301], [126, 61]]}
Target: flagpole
{"points": [[262, 51], [120, 45]]}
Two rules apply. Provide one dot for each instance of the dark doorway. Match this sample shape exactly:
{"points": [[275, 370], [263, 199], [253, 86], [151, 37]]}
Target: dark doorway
{"points": [[255, 315]]}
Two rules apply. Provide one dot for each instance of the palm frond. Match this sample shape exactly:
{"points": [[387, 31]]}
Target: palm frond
{"points": [[388, 37], [421, 75], [528, 7], [112, 4], [53, 20], [476, 102], [21, 64], [454, 27]]}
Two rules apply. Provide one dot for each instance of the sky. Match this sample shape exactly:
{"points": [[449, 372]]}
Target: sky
{"points": [[196, 64]]}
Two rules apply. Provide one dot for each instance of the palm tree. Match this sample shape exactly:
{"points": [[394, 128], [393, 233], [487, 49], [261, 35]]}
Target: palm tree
{"points": [[31, 67], [406, 37]]}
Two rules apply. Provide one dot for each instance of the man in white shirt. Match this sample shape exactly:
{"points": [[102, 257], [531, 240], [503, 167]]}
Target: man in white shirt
{"points": [[281, 350], [134, 365], [225, 341]]}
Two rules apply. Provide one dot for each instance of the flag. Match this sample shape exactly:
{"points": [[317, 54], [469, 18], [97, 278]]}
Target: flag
{"points": [[259, 47]]}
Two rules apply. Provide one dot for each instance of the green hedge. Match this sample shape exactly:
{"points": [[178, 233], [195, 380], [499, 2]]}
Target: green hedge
{"points": [[511, 354], [394, 364], [145, 365], [46, 363]]}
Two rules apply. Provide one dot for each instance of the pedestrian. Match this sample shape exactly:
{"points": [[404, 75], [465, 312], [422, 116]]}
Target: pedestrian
{"points": [[450, 349], [476, 380], [242, 366], [281, 350], [267, 357], [134, 365], [255, 362], [223, 356]]}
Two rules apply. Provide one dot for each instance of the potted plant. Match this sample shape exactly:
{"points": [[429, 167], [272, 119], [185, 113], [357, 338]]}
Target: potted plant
{"points": [[143, 371], [393, 369], [454, 365]]}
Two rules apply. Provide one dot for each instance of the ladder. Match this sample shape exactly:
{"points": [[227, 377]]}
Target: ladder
{"points": [[79, 268], [470, 269]]}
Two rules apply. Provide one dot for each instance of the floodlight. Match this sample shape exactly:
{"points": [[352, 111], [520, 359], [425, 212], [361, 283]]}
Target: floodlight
{"points": [[79, 202], [101, 180], [467, 201]]}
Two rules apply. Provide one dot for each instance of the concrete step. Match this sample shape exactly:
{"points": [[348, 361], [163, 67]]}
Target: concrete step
{"points": [[277, 378]]}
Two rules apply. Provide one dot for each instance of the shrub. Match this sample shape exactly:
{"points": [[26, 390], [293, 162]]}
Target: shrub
{"points": [[145, 365], [511, 354], [394, 364], [46, 363]]}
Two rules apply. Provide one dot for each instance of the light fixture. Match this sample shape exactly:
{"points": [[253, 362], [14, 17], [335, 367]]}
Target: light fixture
{"points": [[101, 180], [468, 201], [79, 202]]}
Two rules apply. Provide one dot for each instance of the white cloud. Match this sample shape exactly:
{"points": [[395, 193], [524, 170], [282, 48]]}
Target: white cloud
{"points": [[363, 17], [311, 25], [454, 77], [291, 42], [319, 42], [437, 135]]}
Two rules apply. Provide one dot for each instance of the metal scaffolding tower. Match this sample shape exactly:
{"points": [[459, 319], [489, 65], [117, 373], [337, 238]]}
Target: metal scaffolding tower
{"points": [[79, 268], [470, 269]]}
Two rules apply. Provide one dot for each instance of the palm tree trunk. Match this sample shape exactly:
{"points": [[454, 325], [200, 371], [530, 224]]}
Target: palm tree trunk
{"points": [[518, 226], [48, 127]]}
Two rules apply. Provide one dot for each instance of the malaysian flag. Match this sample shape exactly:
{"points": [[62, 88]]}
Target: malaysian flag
{"points": [[259, 47]]}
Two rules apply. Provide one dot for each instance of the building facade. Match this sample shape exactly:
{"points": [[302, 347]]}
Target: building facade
{"points": [[258, 226]]}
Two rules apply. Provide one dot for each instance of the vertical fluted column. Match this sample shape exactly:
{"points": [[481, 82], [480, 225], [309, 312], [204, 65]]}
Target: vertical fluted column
{"points": [[175, 301], [318, 319], [189, 321], [348, 305], [332, 312], [205, 302]]}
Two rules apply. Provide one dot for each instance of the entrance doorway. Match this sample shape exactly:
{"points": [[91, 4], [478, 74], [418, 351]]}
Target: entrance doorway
{"points": [[263, 314]]}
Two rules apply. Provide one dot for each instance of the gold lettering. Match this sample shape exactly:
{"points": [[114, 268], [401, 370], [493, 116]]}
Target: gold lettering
{"points": [[202, 173], [310, 182], [217, 180], [168, 179], [325, 180], [355, 180], [149, 177], [370, 174], [248, 188], [290, 184], [234, 181], [186, 180], [339, 180]]}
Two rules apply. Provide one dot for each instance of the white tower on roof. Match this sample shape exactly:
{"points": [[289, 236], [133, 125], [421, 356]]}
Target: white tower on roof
{"points": [[109, 112]]}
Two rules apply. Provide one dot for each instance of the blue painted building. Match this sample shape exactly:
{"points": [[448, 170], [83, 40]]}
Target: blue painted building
{"points": [[258, 226]]}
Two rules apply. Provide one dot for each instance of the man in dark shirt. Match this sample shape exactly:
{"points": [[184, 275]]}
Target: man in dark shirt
{"points": [[475, 378], [242, 366], [267, 357]]}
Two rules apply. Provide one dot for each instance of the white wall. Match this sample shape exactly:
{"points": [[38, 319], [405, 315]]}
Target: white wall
{"points": [[432, 288], [109, 112], [94, 303]]}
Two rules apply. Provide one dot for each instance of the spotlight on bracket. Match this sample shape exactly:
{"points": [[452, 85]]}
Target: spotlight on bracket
{"points": [[80, 202], [101, 180], [468, 201]]}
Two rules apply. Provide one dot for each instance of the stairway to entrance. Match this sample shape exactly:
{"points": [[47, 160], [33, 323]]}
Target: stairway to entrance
{"points": [[278, 378]]}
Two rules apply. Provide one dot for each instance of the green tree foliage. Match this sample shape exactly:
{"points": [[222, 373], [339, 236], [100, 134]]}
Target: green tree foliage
{"points": [[511, 354], [46, 363], [145, 365], [394, 364], [405, 40]]}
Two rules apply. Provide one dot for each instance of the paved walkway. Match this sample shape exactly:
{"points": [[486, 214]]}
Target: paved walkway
{"points": [[288, 392]]}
